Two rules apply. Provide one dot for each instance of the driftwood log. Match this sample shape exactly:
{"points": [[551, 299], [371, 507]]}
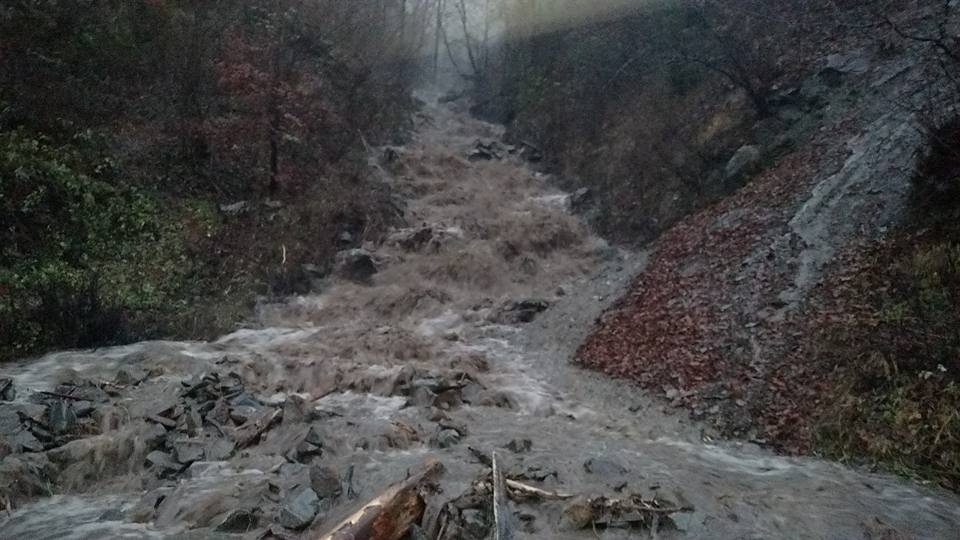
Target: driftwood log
{"points": [[390, 515]]}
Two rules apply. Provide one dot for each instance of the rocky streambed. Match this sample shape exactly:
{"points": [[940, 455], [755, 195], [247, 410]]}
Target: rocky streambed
{"points": [[428, 351]]}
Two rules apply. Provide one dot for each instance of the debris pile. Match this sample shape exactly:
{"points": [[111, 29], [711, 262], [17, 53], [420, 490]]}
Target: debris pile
{"points": [[486, 507]]}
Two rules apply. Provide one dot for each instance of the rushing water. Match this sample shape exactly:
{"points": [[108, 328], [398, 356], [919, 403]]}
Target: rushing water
{"points": [[500, 233]]}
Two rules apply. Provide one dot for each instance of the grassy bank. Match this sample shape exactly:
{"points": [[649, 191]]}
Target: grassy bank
{"points": [[893, 334]]}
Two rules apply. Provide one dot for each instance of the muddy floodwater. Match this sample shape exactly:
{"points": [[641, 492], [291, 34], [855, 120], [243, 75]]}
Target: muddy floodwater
{"points": [[449, 339]]}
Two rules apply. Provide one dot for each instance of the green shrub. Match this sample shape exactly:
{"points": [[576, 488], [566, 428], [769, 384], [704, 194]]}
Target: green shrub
{"points": [[78, 249]]}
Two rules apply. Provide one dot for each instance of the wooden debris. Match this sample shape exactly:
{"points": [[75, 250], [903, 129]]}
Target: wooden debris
{"points": [[250, 432], [390, 515], [525, 492], [631, 511], [501, 506]]}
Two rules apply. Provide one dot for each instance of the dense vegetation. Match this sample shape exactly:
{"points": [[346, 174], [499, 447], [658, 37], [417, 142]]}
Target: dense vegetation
{"points": [[126, 128]]}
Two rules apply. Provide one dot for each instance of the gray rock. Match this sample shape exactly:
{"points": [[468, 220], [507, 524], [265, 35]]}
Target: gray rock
{"points": [[355, 265], [114, 514], [7, 391], [744, 162], [519, 446], [580, 199], [325, 482], [241, 414], [421, 396], [416, 533], [446, 438], [521, 311], [218, 449], [154, 436], [412, 239], [238, 522], [188, 450], [235, 209], [855, 63], [163, 461], [604, 467], [83, 409], [61, 417], [25, 441], [299, 508], [475, 525]]}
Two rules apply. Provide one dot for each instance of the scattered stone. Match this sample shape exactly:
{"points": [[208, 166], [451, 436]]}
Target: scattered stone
{"points": [[520, 312], [472, 392], [235, 209], [296, 410], [744, 161], [7, 391], [24, 476], [475, 524], [83, 409], [448, 399], [245, 399], [60, 416], [188, 450], [412, 239], [486, 151], [355, 265], [390, 155], [114, 514], [854, 63], [155, 436], [519, 446], [126, 377], [605, 467], [241, 414], [299, 508], [325, 482], [446, 438], [218, 450], [535, 473], [25, 441], [238, 522], [416, 533], [451, 96], [163, 461], [421, 396], [580, 199]]}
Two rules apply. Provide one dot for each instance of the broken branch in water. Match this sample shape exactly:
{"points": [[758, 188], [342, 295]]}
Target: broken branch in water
{"points": [[501, 507], [390, 515], [521, 491], [631, 511]]}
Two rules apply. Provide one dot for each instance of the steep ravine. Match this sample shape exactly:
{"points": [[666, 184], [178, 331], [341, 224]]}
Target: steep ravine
{"points": [[426, 359]]}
